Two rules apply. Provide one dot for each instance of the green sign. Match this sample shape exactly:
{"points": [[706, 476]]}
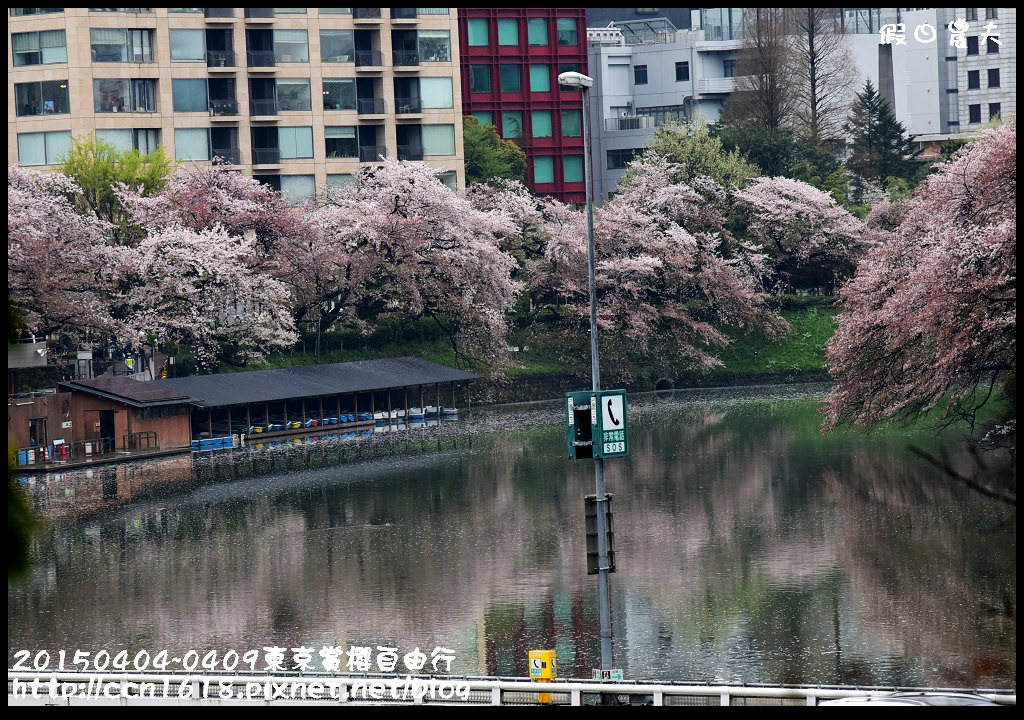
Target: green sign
{"points": [[596, 424]]}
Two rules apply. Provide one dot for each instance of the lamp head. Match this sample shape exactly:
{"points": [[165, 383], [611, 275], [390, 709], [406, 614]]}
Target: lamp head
{"points": [[575, 79]]}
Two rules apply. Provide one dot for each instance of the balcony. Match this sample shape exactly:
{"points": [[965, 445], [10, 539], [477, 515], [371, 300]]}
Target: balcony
{"points": [[372, 153], [366, 13], [219, 13], [632, 122], [410, 152], [262, 108], [369, 59], [716, 86], [231, 155], [404, 14], [405, 58], [266, 156], [370, 106], [219, 108], [261, 58], [259, 14], [220, 59], [408, 106]]}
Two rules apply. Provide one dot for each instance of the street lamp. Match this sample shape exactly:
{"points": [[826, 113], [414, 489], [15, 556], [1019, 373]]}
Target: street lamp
{"points": [[584, 83]]}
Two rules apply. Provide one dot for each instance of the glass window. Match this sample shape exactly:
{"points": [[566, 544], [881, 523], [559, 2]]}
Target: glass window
{"points": [[146, 140], [18, 12], [541, 123], [340, 180], [619, 159], [537, 31], [41, 98], [974, 113], [298, 188], [438, 139], [479, 78], [108, 45], [45, 47], [140, 46], [567, 32], [993, 77], [972, 45], [341, 142], [572, 123], [111, 95], [682, 71], [972, 13], [508, 31], [477, 32], [572, 168], [729, 68], [995, 110], [512, 123], [339, 94], [437, 92], [434, 45], [973, 79], [291, 46], [337, 46], [540, 78], [486, 117], [450, 179], [511, 80], [335, 11], [188, 45], [189, 95], [640, 75], [991, 46], [295, 142], [544, 169], [192, 143], [431, 11], [31, 149], [293, 94], [991, 13], [120, 139]]}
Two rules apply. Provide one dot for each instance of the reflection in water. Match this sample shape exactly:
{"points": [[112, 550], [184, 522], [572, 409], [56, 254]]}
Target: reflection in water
{"points": [[749, 549]]}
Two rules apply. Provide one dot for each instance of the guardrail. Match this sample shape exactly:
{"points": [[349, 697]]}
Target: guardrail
{"points": [[64, 452]]}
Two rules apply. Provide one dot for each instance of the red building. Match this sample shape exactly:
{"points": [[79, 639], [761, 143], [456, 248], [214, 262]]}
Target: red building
{"points": [[511, 58]]}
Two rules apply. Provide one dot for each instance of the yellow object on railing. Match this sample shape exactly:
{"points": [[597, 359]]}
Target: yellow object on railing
{"points": [[543, 668]]}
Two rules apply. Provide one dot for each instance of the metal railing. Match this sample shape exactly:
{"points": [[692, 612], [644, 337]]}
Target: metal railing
{"points": [[263, 107], [410, 152], [261, 58], [218, 13], [146, 440], [370, 106], [259, 13], [369, 58], [366, 13], [407, 58], [404, 14], [220, 58], [633, 122], [372, 153], [404, 106], [227, 106], [231, 155], [266, 156]]}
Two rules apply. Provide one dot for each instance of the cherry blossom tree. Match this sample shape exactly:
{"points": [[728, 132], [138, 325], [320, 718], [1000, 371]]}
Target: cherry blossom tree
{"points": [[931, 313], [197, 287], [807, 235], [665, 285], [61, 270]]}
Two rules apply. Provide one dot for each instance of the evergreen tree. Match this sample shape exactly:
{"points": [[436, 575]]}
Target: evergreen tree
{"points": [[488, 157], [880, 145]]}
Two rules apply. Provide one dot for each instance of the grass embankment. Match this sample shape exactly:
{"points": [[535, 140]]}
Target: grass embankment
{"points": [[751, 358]]}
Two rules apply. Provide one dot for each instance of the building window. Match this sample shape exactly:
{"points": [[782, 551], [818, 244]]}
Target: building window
{"points": [[486, 117], [544, 169], [682, 72], [293, 94], [39, 48], [541, 120], [540, 78], [569, 67], [189, 95], [511, 80], [973, 79], [339, 94], [341, 142], [479, 78], [43, 148], [972, 13], [192, 143], [512, 123], [572, 123], [993, 78], [991, 46], [438, 139], [41, 98], [572, 168], [291, 46], [537, 31], [434, 45], [990, 13], [450, 179], [188, 45], [297, 189], [640, 75], [661, 113], [995, 110], [567, 31], [619, 159], [508, 31], [436, 93], [339, 180], [972, 44], [337, 46], [18, 12], [477, 31], [145, 140], [114, 45], [729, 68], [295, 142], [120, 95], [975, 113]]}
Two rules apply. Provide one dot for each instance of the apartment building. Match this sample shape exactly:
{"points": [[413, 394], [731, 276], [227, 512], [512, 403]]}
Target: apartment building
{"points": [[300, 98], [647, 71], [511, 59]]}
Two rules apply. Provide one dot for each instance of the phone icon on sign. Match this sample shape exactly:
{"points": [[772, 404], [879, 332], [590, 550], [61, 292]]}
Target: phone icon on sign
{"points": [[614, 420]]}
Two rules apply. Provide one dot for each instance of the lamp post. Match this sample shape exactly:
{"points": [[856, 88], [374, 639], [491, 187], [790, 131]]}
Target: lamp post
{"points": [[584, 83]]}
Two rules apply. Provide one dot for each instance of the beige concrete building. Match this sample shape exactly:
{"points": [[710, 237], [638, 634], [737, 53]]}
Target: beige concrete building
{"points": [[298, 97]]}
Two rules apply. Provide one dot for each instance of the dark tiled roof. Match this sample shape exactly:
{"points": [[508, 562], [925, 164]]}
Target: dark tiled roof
{"points": [[310, 381], [129, 391]]}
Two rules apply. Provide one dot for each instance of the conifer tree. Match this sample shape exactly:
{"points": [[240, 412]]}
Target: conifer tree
{"points": [[880, 145]]}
